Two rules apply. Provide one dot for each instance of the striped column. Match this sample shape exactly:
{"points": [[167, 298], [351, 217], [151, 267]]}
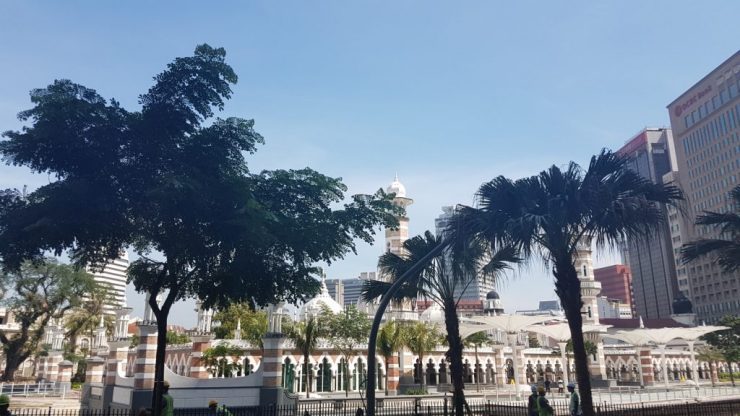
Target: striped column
{"points": [[65, 372], [52, 365], [197, 364], [94, 370], [146, 353], [393, 374], [118, 354], [646, 367], [272, 360]]}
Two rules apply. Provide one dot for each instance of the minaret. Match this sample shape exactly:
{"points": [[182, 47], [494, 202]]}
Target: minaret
{"points": [[590, 288], [394, 238]]}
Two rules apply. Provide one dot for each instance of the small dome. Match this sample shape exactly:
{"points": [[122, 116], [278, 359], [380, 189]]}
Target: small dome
{"points": [[682, 305], [433, 313], [492, 295], [323, 300], [396, 187]]}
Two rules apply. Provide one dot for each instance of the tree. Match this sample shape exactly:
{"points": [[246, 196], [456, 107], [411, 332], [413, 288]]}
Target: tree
{"points": [[253, 323], [171, 183], [223, 360], [443, 280], [39, 293], [727, 342], [175, 338], [346, 331], [726, 250], [306, 335], [86, 318], [551, 214], [422, 337], [711, 355], [476, 340], [391, 338]]}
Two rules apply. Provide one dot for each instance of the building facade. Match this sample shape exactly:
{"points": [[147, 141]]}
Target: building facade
{"points": [[616, 283], [651, 261], [113, 277], [706, 123]]}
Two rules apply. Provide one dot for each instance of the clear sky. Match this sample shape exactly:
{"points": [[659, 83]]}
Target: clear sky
{"points": [[448, 95]]}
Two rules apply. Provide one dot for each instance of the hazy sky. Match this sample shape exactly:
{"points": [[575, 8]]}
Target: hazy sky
{"points": [[448, 95]]}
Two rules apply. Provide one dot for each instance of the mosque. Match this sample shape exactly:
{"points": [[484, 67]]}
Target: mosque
{"points": [[532, 352]]}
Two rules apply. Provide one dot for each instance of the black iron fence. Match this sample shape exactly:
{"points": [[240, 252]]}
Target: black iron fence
{"points": [[419, 408]]}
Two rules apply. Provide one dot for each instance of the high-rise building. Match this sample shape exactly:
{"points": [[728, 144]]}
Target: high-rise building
{"points": [[616, 282], [348, 291], [651, 154], [474, 294], [706, 124], [113, 277]]}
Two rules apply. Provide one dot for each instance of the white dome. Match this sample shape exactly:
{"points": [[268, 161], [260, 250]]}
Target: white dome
{"points": [[396, 187], [323, 300], [432, 314]]}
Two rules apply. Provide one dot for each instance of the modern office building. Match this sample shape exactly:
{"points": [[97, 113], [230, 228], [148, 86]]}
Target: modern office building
{"points": [[651, 154], [113, 277], [706, 123], [474, 295], [348, 291], [616, 282]]}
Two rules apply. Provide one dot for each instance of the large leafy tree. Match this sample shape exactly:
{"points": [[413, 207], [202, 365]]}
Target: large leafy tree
{"points": [[727, 342], [170, 182], [37, 293], [443, 280], [726, 247], [223, 360], [391, 339], [305, 335], [253, 322], [346, 332], [549, 215]]}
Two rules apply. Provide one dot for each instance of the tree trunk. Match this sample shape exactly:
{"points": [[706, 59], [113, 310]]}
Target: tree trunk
{"points": [[11, 366], [732, 375], [161, 316], [452, 324], [13, 358], [386, 375], [568, 289], [305, 364]]}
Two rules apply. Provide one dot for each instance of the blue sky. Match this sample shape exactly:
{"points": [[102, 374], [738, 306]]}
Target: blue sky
{"points": [[447, 94]]}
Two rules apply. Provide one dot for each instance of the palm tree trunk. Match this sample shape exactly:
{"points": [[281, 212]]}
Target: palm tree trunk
{"points": [[477, 367], [568, 289], [732, 375], [305, 363], [455, 352]]}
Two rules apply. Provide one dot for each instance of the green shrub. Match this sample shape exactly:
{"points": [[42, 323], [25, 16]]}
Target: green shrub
{"points": [[416, 391]]}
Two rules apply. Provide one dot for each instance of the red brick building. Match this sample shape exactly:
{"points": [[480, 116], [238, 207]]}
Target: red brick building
{"points": [[616, 283]]}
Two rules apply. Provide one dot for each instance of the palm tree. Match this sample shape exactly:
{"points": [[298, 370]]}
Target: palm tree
{"points": [[727, 250], [306, 337], [86, 318], [422, 337], [442, 280], [712, 356], [549, 215], [390, 341], [476, 340]]}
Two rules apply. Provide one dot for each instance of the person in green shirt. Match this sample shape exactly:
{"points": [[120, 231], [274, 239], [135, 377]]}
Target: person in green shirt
{"points": [[575, 401], [217, 410], [532, 402], [543, 405], [168, 405]]}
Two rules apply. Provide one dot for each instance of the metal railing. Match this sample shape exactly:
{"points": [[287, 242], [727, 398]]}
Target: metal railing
{"points": [[418, 407], [43, 389]]}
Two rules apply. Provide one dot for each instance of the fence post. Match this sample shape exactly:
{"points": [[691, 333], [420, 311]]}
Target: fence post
{"points": [[445, 405]]}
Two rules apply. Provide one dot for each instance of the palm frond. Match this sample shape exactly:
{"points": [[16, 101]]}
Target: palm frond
{"points": [[727, 222], [726, 251]]}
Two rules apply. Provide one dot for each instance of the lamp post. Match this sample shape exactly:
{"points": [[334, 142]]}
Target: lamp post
{"points": [[384, 301]]}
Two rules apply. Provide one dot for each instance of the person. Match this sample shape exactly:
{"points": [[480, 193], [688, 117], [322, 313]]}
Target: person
{"points": [[547, 385], [215, 409], [532, 402], [543, 405], [574, 406], [4, 405], [560, 385], [168, 404]]}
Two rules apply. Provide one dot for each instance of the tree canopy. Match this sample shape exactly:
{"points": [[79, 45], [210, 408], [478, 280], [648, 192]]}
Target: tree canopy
{"points": [[253, 323], [171, 182], [39, 292]]}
